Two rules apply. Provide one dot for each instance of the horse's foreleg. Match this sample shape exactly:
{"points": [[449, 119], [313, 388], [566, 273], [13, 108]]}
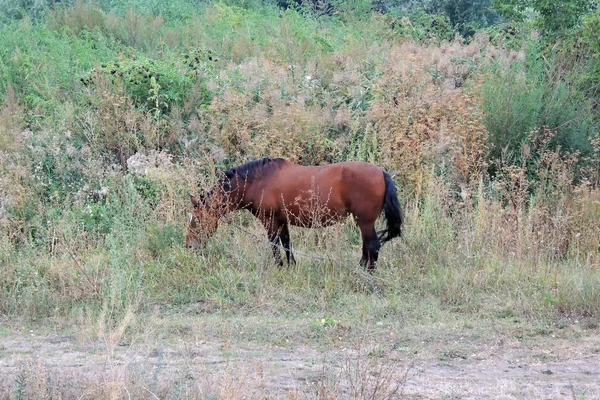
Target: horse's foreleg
{"points": [[371, 245], [274, 234], [287, 245]]}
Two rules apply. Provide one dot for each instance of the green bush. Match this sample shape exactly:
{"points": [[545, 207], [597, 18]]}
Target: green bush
{"points": [[528, 96], [591, 27], [553, 18], [33, 9], [146, 189], [151, 84], [176, 10], [467, 16], [41, 64], [422, 26]]}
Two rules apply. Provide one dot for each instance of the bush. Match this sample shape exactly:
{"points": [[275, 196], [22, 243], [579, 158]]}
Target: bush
{"points": [[591, 27], [467, 16], [32, 9], [152, 85], [554, 19], [422, 26], [529, 95], [39, 65]]}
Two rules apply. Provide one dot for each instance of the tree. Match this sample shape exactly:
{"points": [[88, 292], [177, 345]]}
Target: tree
{"points": [[466, 15], [554, 18]]}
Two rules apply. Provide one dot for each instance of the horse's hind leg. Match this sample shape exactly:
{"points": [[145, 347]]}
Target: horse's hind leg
{"points": [[371, 245], [285, 242]]}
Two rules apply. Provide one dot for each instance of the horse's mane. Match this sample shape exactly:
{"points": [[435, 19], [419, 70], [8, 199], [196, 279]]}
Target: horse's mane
{"points": [[251, 170]]}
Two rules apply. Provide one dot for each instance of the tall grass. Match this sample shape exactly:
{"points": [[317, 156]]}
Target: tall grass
{"points": [[539, 261]]}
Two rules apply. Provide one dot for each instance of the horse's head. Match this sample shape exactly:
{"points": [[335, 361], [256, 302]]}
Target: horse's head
{"points": [[203, 223]]}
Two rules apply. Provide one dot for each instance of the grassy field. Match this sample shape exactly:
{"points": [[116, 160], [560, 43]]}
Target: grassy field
{"points": [[110, 118]]}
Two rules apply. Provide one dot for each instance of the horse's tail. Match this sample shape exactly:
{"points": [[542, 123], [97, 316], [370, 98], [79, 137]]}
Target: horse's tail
{"points": [[392, 211]]}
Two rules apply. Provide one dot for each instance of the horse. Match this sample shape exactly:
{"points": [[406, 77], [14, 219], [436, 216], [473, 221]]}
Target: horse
{"points": [[280, 193]]}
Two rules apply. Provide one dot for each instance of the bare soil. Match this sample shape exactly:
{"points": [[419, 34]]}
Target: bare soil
{"points": [[187, 364]]}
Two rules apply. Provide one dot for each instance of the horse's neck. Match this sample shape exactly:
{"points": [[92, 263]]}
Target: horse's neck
{"points": [[227, 203], [235, 199]]}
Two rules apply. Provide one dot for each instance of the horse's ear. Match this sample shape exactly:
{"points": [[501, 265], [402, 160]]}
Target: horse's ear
{"points": [[230, 173], [195, 201]]}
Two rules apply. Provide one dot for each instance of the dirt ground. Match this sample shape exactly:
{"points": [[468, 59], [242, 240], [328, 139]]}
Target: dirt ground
{"points": [[185, 366]]}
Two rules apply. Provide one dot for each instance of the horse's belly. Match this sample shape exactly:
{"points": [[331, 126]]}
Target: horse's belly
{"points": [[316, 218]]}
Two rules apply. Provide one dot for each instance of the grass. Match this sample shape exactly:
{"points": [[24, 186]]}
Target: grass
{"points": [[466, 268]]}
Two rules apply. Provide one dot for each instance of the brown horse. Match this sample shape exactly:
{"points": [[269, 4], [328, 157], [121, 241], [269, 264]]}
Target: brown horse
{"points": [[280, 193]]}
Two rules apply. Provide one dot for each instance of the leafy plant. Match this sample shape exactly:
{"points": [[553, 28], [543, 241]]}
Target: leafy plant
{"points": [[555, 18], [422, 26], [327, 322], [530, 95], [152, 84], [146, 188], [467, 16]]}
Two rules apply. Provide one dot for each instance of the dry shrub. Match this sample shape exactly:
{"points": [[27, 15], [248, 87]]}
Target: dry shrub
{"points": [[262, 120], [298, 133], [67, 283], [410, 98], [585, 230], [542, 218], [117, 126], [174, 181], [138, 31], [15, 193], [594, 172], [235, 132], [423, 120], [11, 122], [368, 371], [78, 18]]}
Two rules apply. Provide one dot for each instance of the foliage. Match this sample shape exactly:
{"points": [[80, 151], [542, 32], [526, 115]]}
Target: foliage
{"points": [[529, 96], [176, 10], [33, 9], [555, 18], [151, 84], [466, 15], [591, 35], [420, 25], [40, 64]]}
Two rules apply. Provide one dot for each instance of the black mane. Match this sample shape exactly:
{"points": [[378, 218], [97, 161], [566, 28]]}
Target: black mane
{"points": [[250, 171]]}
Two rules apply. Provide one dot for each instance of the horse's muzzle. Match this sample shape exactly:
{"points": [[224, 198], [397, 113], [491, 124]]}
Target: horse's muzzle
{"points": [[193, 245]]}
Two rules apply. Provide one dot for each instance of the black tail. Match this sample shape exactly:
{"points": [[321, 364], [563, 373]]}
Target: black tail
{"points": [[392, 211]]}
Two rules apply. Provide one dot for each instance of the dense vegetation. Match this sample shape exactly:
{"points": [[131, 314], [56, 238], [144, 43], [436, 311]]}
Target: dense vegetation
{"points": [[486, 112]]}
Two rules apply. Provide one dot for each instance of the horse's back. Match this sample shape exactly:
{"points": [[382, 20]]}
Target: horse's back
{"points": [[339, 189], [343, 177]]}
